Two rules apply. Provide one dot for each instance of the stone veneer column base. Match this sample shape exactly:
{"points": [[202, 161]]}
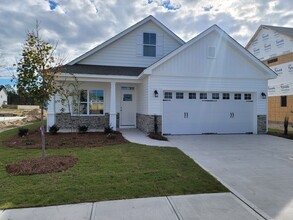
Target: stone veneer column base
{"points": [[261, 124], [146, 123], [96, 122]]}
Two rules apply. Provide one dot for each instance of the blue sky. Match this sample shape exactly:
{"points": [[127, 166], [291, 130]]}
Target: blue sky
{"points": [[80, 25]]}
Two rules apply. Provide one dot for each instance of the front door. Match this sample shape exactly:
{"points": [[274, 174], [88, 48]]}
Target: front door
{"points": [[128, 108]]}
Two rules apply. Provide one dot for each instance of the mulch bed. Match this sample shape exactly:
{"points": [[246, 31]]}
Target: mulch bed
{"points": [[288, 136], [64, 140], [50, 164], [157, 136]]}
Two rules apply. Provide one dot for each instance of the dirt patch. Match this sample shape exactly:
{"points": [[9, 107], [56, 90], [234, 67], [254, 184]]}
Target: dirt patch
{"points": [[50, 164], [64, 140]]}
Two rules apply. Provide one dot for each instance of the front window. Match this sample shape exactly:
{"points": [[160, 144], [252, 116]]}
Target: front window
{"points": [[91, 102], [149, 44]]}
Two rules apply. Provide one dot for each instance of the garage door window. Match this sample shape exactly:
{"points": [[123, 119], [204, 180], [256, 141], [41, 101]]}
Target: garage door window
{"points": [[192, 95], [179, 95], [215, 96], [247, 96], [203, 95], [226, 96], [237, 96], [168, 95]]}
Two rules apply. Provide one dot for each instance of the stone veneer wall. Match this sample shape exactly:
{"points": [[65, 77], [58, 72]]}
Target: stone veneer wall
{"points": [[146, 122], [93, 122], [261, 124]]}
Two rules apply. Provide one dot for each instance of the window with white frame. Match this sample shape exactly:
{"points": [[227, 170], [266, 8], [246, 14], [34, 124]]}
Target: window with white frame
{"points": [[90, 102], [149, 44]]}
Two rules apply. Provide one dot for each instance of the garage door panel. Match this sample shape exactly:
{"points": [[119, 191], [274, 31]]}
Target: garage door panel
{"points": [[195, 116]]}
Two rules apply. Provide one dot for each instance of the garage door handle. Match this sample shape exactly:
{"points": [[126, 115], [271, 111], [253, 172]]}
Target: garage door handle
{"points": [[185, 114]]}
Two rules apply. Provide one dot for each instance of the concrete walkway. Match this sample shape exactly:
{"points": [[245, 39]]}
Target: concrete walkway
{"points": [[220, 206]]}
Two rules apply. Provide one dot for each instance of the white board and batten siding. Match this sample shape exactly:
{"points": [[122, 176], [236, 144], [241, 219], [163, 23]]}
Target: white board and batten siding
{"points": [[192, 70], [142, 93], [127, 50]]}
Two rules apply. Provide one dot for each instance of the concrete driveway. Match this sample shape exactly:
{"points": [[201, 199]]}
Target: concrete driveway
{"points": [[257, 168]]}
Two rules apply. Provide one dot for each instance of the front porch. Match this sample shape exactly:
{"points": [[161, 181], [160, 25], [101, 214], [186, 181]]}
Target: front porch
{"points": [[107, 103]]}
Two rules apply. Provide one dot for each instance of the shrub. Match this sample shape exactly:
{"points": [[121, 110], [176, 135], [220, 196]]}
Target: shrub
{"points": [[111, 136], [157, 136], [108, 129], [82, 129], [54, 129], [22, 132], [286, 123]]}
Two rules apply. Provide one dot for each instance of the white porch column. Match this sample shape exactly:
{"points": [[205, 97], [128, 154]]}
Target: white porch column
{"points": [[51, 114], [113, 113]]}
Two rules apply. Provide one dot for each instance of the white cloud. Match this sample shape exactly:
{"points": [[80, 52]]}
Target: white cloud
{"points": [[79, 25]]}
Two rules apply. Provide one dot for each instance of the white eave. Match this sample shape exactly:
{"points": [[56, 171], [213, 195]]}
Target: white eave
{"points": [[123, 33]]}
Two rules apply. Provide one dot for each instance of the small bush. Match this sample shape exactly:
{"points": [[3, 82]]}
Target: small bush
{"points": [[111, 136], [157, 136], [54, 129], [82, 129], [108, 129], [286, 123], [22, 132]]}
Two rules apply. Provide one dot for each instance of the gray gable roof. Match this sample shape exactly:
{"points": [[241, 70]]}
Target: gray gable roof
{"points": [[102, 70]]}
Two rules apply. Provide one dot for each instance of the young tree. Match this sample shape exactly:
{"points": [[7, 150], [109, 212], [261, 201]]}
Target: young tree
{"points": [[37, 72]]}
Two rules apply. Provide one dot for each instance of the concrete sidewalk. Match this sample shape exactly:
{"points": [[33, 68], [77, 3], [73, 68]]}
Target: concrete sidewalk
{"points": [[220, 206]]}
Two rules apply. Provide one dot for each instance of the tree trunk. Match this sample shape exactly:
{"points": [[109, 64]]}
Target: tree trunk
{"points": [[43, 133]]}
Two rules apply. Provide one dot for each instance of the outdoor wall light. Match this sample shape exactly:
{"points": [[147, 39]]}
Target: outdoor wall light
{"points": [[156, 93], [263, 95]]}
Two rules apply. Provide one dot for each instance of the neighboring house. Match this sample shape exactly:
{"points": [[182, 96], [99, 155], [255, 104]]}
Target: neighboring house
{"points": [[210, 84], [3, 96], [274, 47]]}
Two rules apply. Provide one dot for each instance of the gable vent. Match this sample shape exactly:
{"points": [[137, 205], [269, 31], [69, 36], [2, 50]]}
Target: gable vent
{"points": [[211, 52]]}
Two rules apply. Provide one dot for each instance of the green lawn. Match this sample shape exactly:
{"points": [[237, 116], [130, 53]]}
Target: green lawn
{"points": [[105, 173]]}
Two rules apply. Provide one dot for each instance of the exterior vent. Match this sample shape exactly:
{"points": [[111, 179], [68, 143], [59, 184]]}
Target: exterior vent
{"points": [[211, 52]]}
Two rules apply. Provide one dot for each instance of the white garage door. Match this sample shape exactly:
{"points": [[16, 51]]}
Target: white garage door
{"points": [[212, 112]]}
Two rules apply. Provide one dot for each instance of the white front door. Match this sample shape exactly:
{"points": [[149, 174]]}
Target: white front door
{"points": [[128, 108]]}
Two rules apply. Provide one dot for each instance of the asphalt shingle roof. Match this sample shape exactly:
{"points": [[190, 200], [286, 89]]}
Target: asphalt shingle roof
{"points": [[102, 70]]}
